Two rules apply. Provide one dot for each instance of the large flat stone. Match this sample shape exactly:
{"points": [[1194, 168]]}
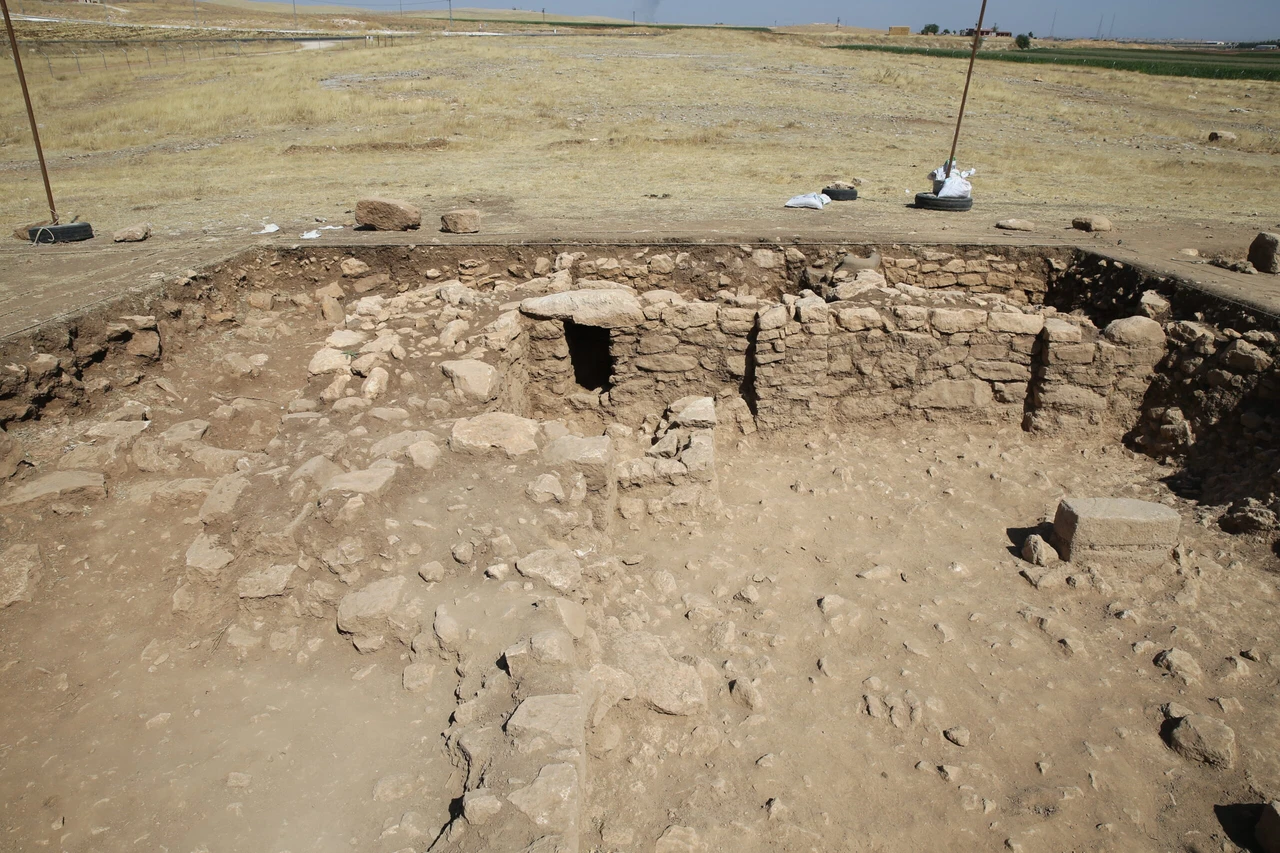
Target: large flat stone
{"points": [[1115, 530], [366, 612], [372, 481], [62, 484], [608, 309], [559, 569], [511, 434], [559, 718], [663, 683], [956, 394], [473, 379]]}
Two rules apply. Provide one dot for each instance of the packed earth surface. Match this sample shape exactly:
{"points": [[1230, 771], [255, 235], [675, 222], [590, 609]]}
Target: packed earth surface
{"points": [[642, 550]]}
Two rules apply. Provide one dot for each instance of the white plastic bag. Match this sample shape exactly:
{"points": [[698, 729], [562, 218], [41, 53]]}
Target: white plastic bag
{"points": [[956, 186], [810, 201]]}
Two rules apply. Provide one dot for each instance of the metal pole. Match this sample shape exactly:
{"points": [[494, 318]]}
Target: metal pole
{"points": [[295, 14], [31, 114], [977, 40], [450, 14]]}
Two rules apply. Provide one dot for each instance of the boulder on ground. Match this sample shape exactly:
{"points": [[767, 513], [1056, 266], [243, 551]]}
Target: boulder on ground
{"points": [[1266, 834], [472, 378], [1206, 740], [387, 214], [1091, 223], [366, 611], [1016, 225], [62, 484], [461, 222], [1223, 136], [663, 683], [133, 234], [1263, 253]]}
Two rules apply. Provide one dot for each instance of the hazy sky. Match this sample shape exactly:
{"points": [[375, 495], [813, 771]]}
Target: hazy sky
{"points": [[1228, 20]]}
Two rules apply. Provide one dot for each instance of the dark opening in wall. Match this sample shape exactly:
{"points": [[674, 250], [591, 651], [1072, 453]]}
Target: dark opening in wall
{"points": [[589, 353]]}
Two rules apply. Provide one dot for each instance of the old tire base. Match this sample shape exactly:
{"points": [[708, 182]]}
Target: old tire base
{"points": [[929, 201], [71, 232], [836, 194]]}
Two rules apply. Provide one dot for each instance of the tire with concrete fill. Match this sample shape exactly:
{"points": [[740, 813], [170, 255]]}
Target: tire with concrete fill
{"points": [[836, 194], [929, 201], [71, 232]]}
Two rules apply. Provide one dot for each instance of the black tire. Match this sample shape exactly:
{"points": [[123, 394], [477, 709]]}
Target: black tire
{"points": [[70, 232], [840, 195], [929, 201]]}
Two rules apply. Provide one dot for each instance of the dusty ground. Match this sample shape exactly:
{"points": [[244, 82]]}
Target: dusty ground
{"points": [[150, 704]]}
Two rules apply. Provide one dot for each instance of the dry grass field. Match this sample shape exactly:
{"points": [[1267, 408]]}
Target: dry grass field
{"points": [[664, 129]]}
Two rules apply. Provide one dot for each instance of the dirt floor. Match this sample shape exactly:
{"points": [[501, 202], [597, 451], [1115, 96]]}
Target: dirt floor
{"points": [[910, 676]]}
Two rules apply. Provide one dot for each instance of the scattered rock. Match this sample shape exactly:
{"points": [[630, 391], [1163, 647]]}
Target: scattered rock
{"points": [[559, 569], [1016, 225], [19, 570], [354, 267], [133, 234], [474, 380], [1038, 552], [265, 583], [552, 800], [1091, 223], [1204, 739], [1179, 664], [418, 677], [208, 557], [11, 455], [1223, 136], [958, 735], [480, 806], [747, 694], [366, 612], [559, 718], [663, 683], [386, 214], [465, 221]]}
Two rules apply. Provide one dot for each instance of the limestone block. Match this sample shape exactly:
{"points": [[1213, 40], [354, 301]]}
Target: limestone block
{"points": [[385, 214], [1116, 530], [955, 394], [609, 309]]}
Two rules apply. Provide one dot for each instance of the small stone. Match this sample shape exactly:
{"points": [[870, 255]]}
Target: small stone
{"points": [[1038, 552], [19, 569], [1016, 225], [559, 569], [958, 735], [133, 233], [418, 677], [552, 800], [1223, 136], [480, 806], [366, 611], [465, 221], [265, 582], [664, 684], [1205, 739], [208, 557], [354, 267], [432, 572], [747, 694], [1091, 223], [509, 433], [474, 380], [679, 839], [1180, 665]]}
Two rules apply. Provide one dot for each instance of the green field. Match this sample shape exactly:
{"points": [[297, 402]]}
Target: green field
{"points": [[1217, 65]]}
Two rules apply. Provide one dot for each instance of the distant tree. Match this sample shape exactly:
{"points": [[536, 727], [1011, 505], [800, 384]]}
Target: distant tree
{"points": [[1023, 42], [929, 30], [1030, 34], [946, 32]]}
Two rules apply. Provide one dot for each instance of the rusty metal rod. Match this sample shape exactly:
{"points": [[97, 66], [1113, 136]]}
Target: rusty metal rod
{"points": [[31, 114], [977, 40]]}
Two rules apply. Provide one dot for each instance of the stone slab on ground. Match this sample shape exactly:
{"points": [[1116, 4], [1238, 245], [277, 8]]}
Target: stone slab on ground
{"points": [[511, 434], [466, 221], [19, 565], [1119, 530], [63, 484]]}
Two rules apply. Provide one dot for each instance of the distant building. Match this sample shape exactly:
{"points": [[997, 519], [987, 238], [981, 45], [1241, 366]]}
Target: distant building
{"points": [[1000, 34], [899, 31], [1267, 47]]}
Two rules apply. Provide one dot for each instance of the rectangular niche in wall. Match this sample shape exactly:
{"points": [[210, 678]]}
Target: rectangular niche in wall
{"points": [[589, 353]]}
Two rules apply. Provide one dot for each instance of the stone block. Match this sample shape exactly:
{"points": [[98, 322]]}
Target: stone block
{"points": [[385, 214], [461, 222], [1115, 530], [1264, 253]]}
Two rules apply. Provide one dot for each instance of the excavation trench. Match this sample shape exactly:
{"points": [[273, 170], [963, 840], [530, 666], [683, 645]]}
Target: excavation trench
{"points": [[669, 547]]}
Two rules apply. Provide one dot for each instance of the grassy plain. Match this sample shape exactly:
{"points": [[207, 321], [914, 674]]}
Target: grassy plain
{"points": [[658, 130]]}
